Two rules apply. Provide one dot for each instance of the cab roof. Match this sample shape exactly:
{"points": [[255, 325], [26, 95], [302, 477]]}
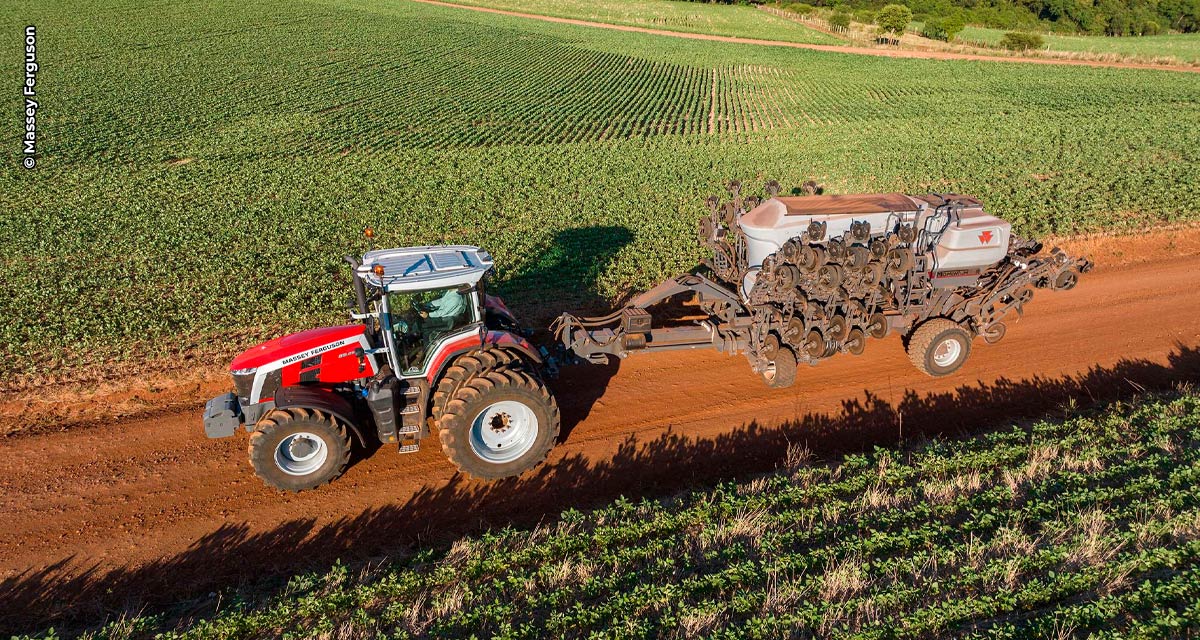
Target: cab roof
{"points": [[422, 268]]}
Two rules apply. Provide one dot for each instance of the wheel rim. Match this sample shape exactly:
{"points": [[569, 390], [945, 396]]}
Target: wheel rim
{"points": [[300, 454], [768, 373], [504, 431], [947, 352]]}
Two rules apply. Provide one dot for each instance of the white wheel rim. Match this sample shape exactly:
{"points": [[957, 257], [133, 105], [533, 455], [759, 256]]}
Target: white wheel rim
{"points": [[504, 431], [301, 453], [947, 352], [768, 373]]}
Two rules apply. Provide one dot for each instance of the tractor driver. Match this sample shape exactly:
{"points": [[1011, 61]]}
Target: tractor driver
{"points": [[444, 313]]}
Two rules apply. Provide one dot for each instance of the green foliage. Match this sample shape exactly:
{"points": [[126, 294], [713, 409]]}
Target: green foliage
{"points": [[1182, 47], [839, 20], [799, 8], [894, 18], [199, 201], [1090, 523], [1101, 17], [944, 29], [865, 16], [1018, 41]]}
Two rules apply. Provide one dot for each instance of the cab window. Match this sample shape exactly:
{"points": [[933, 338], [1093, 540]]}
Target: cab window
{"points": [[420, 319]]}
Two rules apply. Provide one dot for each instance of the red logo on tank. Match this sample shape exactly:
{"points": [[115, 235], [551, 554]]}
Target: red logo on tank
{"points": [[985, 237]]}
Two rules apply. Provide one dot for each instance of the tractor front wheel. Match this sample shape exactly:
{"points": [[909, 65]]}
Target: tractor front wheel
{"points": [[296, 449], [499, 424]]}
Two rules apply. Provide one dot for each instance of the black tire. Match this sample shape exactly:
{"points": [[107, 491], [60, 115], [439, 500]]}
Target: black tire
{"points": [[931, 343], [781, 371], [464, 368], [269, 454], [1066, 280], [477, 397]]}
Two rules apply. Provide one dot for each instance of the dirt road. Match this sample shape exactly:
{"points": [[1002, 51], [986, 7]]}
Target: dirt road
{"points": [[139, 510], [866, 51]]}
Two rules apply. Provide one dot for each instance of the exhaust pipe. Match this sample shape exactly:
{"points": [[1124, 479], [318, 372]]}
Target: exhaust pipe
{"points": [[360, 288]]}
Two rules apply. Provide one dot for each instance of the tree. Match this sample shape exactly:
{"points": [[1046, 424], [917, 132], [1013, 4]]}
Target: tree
{"points": [[840, 20], [894, 18], [1017, 41], [942, 28], [1120, 19]]}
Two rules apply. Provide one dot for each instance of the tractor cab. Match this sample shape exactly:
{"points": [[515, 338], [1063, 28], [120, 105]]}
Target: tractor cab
{"points": [[433, 355], [428, 297]]}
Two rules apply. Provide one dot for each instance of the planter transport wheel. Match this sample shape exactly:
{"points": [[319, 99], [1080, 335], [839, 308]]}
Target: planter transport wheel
{"points": [[939, 347], [781, 371]]}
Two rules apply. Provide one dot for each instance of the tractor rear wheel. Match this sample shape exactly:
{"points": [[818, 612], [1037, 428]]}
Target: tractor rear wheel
{"points": [[939, 347], [296, 449], [466, 367], [499, 424]]}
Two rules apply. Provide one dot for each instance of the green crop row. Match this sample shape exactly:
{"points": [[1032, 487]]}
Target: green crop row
{"points": [[1084, 525], [204, 165]]}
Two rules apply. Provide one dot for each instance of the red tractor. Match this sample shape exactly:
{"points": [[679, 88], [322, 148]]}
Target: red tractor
{"points": [[432, 352]]}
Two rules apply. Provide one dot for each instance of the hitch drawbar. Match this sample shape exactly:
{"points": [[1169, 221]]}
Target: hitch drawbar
{"points": [[629, 329]]}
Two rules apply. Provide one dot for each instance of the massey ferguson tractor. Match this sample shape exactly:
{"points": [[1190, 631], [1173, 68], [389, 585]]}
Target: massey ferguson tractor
{"points": [[790, 280]]}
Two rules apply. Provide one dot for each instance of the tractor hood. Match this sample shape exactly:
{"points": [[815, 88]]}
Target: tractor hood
{"points": [[298, 346]]}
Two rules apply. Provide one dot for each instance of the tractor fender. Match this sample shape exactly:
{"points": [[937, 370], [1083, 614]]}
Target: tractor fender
{"points": [[321, 399], [492, 338], [514, 342]]}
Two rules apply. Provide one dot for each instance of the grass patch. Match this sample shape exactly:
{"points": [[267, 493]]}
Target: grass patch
{"points": [[1184, 47], [690, 17]]}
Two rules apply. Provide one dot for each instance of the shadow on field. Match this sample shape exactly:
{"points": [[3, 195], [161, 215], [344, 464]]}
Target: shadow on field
{"points": [[234, 556], [566, 273]]}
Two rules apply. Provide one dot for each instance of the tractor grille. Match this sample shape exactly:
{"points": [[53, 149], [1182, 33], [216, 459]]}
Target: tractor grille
{"points": [[242, 384]]}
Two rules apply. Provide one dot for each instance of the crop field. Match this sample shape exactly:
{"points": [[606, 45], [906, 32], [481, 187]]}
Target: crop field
{"points": [[690, 17], [1060, 528], [204, 167]]}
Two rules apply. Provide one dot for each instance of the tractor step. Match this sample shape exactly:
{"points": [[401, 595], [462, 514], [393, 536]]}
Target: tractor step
{"points": [[409, 428], [411, 447]]}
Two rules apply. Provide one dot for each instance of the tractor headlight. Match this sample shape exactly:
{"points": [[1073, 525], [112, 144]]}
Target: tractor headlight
{"points": [[244, 372]]}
